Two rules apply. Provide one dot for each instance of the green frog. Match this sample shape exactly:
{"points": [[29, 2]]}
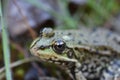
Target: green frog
{"points": [[92, 54]]}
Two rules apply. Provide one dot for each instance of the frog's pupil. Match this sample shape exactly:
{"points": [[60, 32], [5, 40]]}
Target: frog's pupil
{"points": [[59, 46]]}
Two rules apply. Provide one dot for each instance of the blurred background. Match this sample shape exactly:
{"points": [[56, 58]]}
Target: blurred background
{"points": [[26, 17]]}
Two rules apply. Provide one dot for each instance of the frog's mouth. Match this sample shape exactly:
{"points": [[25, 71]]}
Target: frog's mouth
{"points": [[56, 59]]}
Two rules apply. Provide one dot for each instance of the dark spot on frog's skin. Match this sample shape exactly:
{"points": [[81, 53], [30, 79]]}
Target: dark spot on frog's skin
{"points": [[109, 34], [84, 67], [61, 32], [38, 54], [97, 35], [92, 68], [70, 53], [103, 77], [105, 60], [94, 41], [81, 35], [66, 63], [116, 40], [69, 34], [51, 59], [95, 61], [73, 40], [105, 48], [94, 29], [97, 51], [98, 64], [86, 41], [79, 42], [76, 48]]}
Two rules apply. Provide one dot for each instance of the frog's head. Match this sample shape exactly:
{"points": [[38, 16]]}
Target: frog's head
{"points": [[51, 47]]}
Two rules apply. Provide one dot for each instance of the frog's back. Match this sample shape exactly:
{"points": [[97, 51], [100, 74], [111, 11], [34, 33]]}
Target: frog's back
{"points": [[91, 37]]}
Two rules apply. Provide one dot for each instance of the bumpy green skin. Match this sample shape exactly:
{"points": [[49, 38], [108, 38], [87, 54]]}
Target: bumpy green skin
{"points": [[89, 51]]}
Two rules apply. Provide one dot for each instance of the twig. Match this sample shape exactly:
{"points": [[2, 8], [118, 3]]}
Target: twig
{"points": [[17, 63]]}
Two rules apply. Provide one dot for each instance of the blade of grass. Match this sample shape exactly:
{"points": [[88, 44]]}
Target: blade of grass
{"points": [[99, 9], [64, 17], [5, 42], [69, 22]]}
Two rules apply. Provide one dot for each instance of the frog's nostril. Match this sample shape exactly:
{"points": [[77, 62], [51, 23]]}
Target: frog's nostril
{"points": [[42, 47]]}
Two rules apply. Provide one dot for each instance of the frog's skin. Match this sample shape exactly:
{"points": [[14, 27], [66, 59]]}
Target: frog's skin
{"points": [[93, 53]]}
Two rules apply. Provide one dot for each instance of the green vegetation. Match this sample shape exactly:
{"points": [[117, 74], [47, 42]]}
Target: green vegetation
{"points": [[93, 13], [5, 42]]}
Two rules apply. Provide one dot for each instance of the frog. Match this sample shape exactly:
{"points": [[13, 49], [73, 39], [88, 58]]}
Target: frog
{"points": [[85, 54]]}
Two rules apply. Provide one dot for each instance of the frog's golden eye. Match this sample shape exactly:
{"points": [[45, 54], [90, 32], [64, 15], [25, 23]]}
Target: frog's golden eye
{"points": [[59, 46]]}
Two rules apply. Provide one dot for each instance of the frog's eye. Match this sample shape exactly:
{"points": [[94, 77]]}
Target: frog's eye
{"points": [[59, 46]]}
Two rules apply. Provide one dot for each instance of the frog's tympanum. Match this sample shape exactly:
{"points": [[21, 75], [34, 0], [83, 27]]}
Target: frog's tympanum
{"points": [[85, 54]]}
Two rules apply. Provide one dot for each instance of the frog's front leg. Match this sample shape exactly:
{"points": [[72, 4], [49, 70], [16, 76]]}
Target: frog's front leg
{"points": [[75, 72], [78, 73]]}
